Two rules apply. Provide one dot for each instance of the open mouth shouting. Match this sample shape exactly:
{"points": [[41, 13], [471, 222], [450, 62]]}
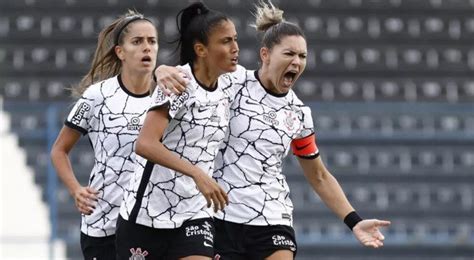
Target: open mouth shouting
{"points": [[289, 78]]}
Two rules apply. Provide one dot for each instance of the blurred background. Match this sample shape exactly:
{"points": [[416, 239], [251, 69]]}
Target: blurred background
{"points": [[390, 84]]}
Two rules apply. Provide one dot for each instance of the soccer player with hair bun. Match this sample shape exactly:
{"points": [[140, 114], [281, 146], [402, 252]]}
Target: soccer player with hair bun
{"points": [[267, 120]]}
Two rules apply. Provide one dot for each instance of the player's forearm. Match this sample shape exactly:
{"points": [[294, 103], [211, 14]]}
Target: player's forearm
{"points": [[63, 167], [331, 194]]}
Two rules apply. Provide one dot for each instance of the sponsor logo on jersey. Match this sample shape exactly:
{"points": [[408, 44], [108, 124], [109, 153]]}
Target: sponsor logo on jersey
{"points": [[134, 124], [270, 117], [79, 115], [160, 96], [286, 216], [137, 254], [179, 101]]}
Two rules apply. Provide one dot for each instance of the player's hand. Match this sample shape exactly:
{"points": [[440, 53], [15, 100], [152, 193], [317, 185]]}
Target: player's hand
{"points": [[171, 79], [368, 233], [213, 193], [85, 199]]}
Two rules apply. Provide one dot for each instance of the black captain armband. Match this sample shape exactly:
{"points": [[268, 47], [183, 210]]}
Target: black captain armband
{"points": [[352, 219]]}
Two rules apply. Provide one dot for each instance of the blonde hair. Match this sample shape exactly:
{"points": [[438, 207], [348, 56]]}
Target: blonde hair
{"points": [[270, 22], [105, 62], [267, 15]]}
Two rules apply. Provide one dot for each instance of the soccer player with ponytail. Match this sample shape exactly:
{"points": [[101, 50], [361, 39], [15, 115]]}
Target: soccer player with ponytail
{"points": [[113, 99], [167, 211]]}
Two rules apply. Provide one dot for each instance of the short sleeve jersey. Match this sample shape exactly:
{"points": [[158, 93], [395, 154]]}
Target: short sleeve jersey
{"points": [[159, 197], [111, 116], [249, 164]]}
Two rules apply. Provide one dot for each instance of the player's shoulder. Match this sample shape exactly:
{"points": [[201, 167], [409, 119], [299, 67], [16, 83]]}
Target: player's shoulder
{"points": [[101, 89], [240, 75]]}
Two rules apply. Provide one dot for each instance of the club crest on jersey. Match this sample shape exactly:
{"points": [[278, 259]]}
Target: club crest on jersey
{"points": [[137, 254], [215, 116], [289, 120], [227, 109], [134, 124], [270, 117], [79, 115]]}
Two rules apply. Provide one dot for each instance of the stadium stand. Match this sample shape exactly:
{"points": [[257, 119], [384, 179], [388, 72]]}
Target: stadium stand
{"points": [[389, 82]]}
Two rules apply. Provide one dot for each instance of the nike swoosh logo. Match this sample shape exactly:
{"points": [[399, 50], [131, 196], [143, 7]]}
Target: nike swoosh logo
{"points": [[302, 147], [201, 109], [112, 118], [207, 244], [250, 102]]}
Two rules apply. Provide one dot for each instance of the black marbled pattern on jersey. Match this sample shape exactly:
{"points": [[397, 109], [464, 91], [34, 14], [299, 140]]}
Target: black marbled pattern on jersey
{"points": [[199, 121], [111, 116], [249, 166]]}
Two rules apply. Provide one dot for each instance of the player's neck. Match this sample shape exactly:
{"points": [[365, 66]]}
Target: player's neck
{"points": [[204, 74], [137, 84]]}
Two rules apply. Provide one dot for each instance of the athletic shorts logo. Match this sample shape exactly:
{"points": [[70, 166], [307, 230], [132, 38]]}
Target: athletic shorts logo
{"points": [[279, 240], [79, 115], [204, 230], [137, 254]]}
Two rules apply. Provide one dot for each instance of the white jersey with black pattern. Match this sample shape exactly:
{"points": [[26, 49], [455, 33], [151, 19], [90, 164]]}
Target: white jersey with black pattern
{"points": [[159, 197], [249, 164], [111, 116]]}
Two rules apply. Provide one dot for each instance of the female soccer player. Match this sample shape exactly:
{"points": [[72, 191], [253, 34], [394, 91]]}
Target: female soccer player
{"points": [[267, 119], [166, 211], [111, 109]]}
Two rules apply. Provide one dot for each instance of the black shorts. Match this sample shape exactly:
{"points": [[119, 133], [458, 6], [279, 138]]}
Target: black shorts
{"points": [[99, 248], [194, 237], [240, 241]]}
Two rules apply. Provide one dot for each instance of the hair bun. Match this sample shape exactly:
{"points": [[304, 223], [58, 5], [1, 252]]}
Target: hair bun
{"points": [[267, 15]]}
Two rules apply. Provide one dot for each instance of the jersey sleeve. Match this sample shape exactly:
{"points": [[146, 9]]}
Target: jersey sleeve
{"points": [[172, 102], [83, 111], [304, 144]]}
